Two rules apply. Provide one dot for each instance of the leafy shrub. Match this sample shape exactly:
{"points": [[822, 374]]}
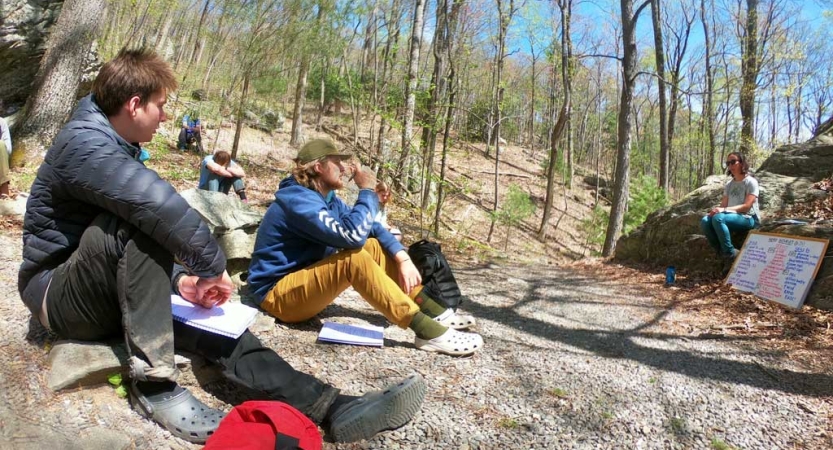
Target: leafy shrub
{"points": [[516, 207]]}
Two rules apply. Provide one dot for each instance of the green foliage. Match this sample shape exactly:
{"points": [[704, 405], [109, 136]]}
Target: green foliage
{"points": [[646, 197], [335, 87], [595, 227], [476, 126], [558, 392], [678, 425], [718, 444], [508, 423], [516, 207], [560, 165]]}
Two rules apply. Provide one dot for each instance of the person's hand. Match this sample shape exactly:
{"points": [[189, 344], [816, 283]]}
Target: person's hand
{"points": [[715, 210], [206, 292], [363, 176], [409, 276]]}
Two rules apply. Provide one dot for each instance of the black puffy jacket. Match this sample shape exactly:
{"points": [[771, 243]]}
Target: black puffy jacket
{"points": [[90, 169]]}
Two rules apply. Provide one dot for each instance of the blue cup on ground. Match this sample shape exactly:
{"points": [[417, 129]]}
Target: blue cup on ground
{"points": [[670, 275]]}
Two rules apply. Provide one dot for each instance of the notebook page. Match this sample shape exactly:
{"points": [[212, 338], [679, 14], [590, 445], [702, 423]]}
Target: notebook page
{"points": [[228, 319]]}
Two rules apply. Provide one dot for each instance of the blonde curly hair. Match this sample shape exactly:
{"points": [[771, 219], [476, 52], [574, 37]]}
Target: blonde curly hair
{"points": [[305, 173]]}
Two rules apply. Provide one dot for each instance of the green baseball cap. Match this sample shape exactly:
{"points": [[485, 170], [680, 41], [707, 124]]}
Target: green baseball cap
{"points": [[319, 148]]}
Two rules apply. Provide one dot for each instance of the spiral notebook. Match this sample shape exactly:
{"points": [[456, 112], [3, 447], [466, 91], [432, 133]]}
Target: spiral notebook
{"points": [[342, 333], [228, 319]]}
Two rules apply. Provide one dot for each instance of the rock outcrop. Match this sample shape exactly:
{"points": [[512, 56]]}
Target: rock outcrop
{"points": [[24, 26], [672, 236], [232, 222]]}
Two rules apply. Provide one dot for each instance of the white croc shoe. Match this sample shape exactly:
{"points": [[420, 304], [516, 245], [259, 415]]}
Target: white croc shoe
{"points": [[452, 319], [452, 342]]}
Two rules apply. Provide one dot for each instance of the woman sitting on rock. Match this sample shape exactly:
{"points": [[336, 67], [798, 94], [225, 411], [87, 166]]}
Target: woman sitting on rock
{"points": [[738, 209]]}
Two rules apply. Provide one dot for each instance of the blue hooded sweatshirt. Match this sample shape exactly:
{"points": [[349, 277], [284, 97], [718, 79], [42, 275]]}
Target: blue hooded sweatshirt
{"points": [[301, 227]]}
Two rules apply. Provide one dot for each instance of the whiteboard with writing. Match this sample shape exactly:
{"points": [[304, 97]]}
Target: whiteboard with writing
{"points": [[777, 267]]}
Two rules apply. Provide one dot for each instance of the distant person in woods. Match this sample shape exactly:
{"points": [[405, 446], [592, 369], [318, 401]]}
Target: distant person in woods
{"points": [[190, 131], [100, 236], [384, 193], [219, 173], [738, 209], [311, 246], [5, 154]]}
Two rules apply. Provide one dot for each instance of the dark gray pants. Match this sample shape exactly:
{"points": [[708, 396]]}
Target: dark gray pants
{"points": [[118, 281]]}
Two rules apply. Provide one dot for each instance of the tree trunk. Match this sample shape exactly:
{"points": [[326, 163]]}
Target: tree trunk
{"points": [[298, 110], [57, 80], [659, 51], [709, 94], [241, 112], [195, 56], [443, 164], [749, 70], [503, 26], [623, 145], [563, 116], [410, 87]]}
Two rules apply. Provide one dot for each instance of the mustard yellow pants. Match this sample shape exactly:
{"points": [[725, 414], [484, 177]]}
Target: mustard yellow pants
{"points": [[301, 295]]}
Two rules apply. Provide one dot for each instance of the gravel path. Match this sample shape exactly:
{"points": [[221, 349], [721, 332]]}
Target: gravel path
{"points": [[570, 362]]}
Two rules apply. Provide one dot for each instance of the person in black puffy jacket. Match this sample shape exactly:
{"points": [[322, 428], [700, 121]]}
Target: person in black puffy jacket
{"points": [[106, 240]]}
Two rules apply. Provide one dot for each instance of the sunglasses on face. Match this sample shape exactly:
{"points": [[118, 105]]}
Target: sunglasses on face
{"points": [[732, 162]]}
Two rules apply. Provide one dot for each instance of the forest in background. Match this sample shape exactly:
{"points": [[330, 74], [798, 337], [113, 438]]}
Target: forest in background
{"points": [[651, 88]]}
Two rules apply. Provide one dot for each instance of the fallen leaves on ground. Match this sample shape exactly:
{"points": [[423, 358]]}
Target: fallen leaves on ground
{"points": [[720, 311]]}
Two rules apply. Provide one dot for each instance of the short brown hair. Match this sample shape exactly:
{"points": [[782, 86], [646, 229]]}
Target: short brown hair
{"points": [[222, 158], [134, 72]]}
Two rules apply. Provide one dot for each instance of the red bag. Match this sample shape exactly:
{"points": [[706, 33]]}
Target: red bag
{"points": [[265, 425]]}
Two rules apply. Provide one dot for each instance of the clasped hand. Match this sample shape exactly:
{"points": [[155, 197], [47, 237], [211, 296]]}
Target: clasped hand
{"points": [[206, 292]]}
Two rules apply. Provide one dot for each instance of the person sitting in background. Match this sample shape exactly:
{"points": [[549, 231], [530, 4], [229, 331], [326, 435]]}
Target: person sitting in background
{"points": [[311, 246], [383, 191], [5, 155], [190, 131], [738, 209], [219, 173]]}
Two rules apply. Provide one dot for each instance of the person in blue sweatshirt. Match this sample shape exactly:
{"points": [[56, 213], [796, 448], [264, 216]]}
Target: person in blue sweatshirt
{"points": [[311, 246]]}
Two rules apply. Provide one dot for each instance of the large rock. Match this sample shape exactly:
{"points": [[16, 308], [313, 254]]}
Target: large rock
{"points": [[24, 26], [232, 222], [672, 236], [76, 363], [812, 159]]}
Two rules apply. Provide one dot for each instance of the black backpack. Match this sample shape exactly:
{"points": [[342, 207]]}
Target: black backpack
{"points": [[437, 279]]}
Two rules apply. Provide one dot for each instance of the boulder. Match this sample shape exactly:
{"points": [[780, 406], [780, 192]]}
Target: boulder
{"points": [[812, 159], [100, 360], [14, 206], [672, 236], [232, 222], [25, 27]]}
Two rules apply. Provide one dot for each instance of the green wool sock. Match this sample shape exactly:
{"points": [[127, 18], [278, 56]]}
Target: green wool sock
{"points": [[428, 305], [426, 327]]}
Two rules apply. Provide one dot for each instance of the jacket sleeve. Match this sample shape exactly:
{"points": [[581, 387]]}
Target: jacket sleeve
{"points": [[101, 173], [386, 239], [343, 227]]}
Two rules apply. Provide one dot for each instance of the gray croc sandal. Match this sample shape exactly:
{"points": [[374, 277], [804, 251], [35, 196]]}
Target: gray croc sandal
{"points": [[180, 413], [380, 410]]}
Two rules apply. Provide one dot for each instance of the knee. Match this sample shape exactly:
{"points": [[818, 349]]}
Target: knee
{"points": [[705, 223], [372, 244]]}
